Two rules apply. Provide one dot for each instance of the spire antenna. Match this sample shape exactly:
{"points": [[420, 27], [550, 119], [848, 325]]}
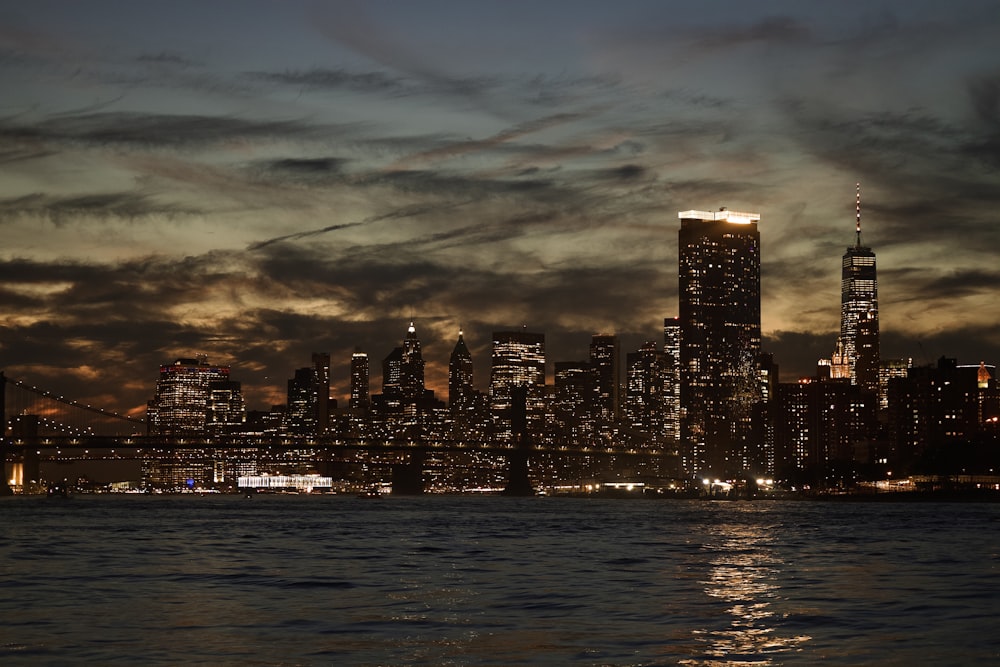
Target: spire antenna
{"points": [[857, 227]]}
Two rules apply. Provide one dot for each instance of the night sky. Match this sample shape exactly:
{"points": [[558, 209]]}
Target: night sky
{"points": [[256, 181]]}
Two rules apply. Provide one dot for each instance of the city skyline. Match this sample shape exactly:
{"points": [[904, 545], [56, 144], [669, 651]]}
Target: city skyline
{"points": [[257, 182]]}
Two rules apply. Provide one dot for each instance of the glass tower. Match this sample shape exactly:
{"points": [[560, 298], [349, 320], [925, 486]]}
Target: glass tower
{"points": [[859, 331], [518, 361], [719, 301]]}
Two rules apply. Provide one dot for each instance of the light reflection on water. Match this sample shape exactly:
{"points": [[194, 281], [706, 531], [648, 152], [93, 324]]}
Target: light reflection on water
{"points": [[495, 581], [744, 573]]}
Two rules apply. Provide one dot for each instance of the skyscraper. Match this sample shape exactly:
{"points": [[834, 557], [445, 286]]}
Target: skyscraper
{"points": [[644, 392], [859, 330], [719, 303], [360, 392], [672, 379], [574, 405], [411, 371], [460, 387], [321, 371], [604, 359], [180, 405], [518, 361]]}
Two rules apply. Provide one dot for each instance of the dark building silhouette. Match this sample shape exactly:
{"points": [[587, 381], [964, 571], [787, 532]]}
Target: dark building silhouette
{"points": [[937, 405], [460, 386], [719, 311], [302, 405], [821, 428]]}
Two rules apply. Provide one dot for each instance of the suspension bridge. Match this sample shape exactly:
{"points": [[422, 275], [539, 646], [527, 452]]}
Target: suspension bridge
{"points": [[41, 424]]}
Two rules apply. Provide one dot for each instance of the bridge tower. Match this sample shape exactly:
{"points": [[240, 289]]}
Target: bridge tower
{"points": [[518, 483]]}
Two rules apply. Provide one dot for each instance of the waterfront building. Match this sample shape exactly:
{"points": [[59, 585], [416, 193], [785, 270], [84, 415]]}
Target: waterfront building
{"points": [[936, 406], [823, 429], [719, 308], [180, 403], [518, 360]]}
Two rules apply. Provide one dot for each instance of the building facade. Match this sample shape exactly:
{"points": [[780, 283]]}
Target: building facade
{"points": [[719, 308], [859, 325], [518, 360], [180, 404]]}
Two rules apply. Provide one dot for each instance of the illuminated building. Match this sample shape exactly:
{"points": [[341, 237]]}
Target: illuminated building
{"points": [[180, 404], [821, 426], [306, 410], [672, 379], [392, 372], [360, 392], [888, 369], [226, 409], [859, 329], [719, 301], [460, 387], [644, 392], [575, 399], [518, 360], [321, 373], [936, 406], [302, 483], [604, 359], [411, 369]]}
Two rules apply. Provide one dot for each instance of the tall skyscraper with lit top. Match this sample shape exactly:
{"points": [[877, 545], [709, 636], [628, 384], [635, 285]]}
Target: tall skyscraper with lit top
{"points": [[719, 308], [859, 330], [518, 360]]}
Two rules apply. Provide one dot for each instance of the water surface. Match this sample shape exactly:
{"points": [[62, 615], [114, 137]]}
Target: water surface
{"points": [[301, 580]]}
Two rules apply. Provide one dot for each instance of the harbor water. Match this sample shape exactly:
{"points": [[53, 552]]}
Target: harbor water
{"points": [[456, 580]]}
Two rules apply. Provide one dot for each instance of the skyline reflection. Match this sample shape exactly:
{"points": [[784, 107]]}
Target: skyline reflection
{"points": [[744, 574]]}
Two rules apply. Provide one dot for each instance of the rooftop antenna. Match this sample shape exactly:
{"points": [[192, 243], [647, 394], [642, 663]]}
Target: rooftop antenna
{"points": [[857, 227]]}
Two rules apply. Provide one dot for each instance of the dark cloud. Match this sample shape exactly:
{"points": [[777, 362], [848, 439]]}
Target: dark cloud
{"points": [[336, 79], [73, 209], [155, 130]]}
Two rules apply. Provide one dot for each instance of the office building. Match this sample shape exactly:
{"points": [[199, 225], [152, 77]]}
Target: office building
{"points": [[460, 386], [576, 396], [360, 391], [645, 390], [180, 404], [672, 379], [859, 327], [719, 301], [518, 360], [411, 370], [604, 360]]}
